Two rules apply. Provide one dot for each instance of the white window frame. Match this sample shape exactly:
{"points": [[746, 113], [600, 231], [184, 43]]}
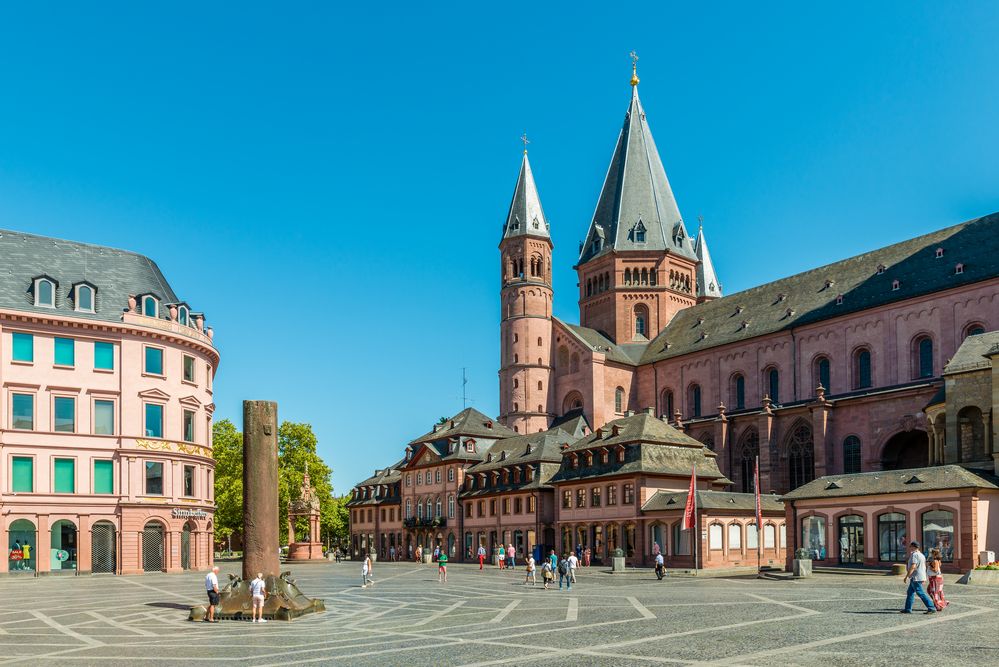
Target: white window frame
{"points": [[38, 282], [156, 305], [184, 315], [76, 298]]}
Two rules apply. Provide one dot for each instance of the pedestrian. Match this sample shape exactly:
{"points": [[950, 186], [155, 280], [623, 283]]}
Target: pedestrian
{"points": [[419, 553], [660, 566], [935, 586], [579, 553], [553, 559], [531, 575], [442, 567], [586, 557], [482, 555], [547, 575], [212, 587], [916, 576], [501, 557], [258, 593], [366, 572], [511, 556], [563, 573], [437, 553], [573, 562], [392, 553]]}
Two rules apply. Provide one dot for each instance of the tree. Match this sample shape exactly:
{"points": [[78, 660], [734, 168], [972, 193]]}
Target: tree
{"points": [[227, 448]]}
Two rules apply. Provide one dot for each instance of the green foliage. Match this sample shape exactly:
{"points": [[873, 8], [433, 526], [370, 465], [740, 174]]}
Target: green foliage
{"points": [[227, 448]]}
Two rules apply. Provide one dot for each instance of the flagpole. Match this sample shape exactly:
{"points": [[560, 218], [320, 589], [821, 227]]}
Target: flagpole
{"points": [[697, 532], [759, 518]]}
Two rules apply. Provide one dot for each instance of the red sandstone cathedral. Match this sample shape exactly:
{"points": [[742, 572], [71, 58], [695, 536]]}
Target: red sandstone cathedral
{"points": [[831, 372]]}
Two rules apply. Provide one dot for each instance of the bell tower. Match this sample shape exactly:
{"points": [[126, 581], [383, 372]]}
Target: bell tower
{"points": [[526, 318]]}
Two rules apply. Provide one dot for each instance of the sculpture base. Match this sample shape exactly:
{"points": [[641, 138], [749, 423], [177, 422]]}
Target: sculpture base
{"points": [[305, 551], [284, 601]]}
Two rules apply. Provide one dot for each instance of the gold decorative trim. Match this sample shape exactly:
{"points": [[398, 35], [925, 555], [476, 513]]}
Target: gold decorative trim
{"points": [[167, 446]]}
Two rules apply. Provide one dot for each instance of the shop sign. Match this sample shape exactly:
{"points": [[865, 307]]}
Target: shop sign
{"points": [[16, 554], [179, 513]]}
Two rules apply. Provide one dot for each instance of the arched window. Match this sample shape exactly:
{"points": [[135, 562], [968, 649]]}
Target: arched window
{"points": [[619, 400], [84, 298], [694, 396], [44, 293], [539, 385], [419, 510], [974, 329], [821, 373], [589, 287], [450, 507], [666, 403], [922, 356], [862, 368], [641, 321], [438, 513], [150, 306], [738, 398], [627, 276], [607, 281], [183, 316], [645, 276], [540, 342], [800, 456], [851, 455], [749, 449], [652, 277], [772, 378], [892, 537]]}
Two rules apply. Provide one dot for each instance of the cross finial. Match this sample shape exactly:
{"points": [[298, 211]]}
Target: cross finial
{"points": [[526, 141], [700, 221], [634, 68]]}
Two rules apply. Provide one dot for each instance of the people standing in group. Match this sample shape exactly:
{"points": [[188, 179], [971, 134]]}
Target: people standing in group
{"points": [[482, 555], [660, 566], [501, 557], [547, 573], [934, 574], [916, 576], [563, 573], [258, 594], [212, 587], [511, 556], [531, 574], [573, 562], [441, 566], [367, 572]]}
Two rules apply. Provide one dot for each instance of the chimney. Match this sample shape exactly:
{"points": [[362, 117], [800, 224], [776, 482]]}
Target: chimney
{"points": [[629, 413], [650, 411]]}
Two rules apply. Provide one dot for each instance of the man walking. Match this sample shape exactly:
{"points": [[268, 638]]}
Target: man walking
{"points": [[573, 562], [212, 587], [258, 593], [660, 566], [366, 572], [511, 556], [482, 555], [916, 576], [563, 573]]}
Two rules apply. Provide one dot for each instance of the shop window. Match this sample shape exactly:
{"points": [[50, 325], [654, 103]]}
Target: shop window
{"points": [[734, 536], [813, 536], [938, 533], [892, 538], [681, 540], [715, 536]]}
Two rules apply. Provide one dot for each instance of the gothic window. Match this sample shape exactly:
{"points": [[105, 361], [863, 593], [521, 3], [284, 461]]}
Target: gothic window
{"points": [[772, 377], [862, 368], [821, 372], [619, 400], [694, 396], [589, 287], [800, 456], [44, 292], [738, 399], [641, 321], [607, 281], [922, 357], [851, 455], [749, 449], [666, 403]]}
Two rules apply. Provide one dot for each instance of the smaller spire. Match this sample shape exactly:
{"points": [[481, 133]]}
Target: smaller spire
{"points": [[634, 68], [525, 217], [708, 286]]}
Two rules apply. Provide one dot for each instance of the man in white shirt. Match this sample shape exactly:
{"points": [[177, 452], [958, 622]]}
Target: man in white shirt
{"points": [[258, 591], [660, 566], [212, 586], [482, 556], [916, 576], [573, 564]]}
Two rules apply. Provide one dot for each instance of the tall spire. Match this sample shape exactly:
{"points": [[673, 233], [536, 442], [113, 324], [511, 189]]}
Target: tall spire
{"points": [[708, 286], [526, 217], [636, 209]]}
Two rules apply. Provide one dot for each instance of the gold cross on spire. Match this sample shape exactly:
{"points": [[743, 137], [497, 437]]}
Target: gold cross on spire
{"points": [[634, 68], [700, 221], [524, 139]]}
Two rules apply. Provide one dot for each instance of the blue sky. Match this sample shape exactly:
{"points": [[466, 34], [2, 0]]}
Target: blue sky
{"points": [[328, 183]]}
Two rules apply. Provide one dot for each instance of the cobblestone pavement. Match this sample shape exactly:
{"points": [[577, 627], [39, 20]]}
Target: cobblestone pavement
{"points": [[490, 618]]}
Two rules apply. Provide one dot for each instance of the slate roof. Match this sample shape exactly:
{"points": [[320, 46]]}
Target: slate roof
{"points": [[651, 446], [707, 281], [468, 422], [545, 446], [893, 481], [712, 500], [636, 190], [382, 477], [115, 273], [525, 217], [808, 299], [598, 342], [970, 356]]}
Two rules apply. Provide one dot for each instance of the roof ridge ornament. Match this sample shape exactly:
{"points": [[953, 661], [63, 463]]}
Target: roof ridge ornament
{"points": [[634, 68], [525, 141]]}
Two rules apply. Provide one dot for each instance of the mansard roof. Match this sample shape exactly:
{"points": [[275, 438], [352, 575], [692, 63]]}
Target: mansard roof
{"points": [[937, 478], [115, 273], [469, 422], [636, 190], [811, 296], [708, 284], [712, 500], [972, 354], [526, 217]]}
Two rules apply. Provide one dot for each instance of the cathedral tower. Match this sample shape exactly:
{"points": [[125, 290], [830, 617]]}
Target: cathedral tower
{"points": [[526, 318], [637, 266]]}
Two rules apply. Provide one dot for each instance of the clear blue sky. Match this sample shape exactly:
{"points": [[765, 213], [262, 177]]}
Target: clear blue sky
{"points": [[328, 183]]}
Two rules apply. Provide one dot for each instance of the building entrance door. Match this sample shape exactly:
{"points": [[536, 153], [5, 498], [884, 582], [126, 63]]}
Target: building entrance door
{"points": [[103, 554], [851, 540]]}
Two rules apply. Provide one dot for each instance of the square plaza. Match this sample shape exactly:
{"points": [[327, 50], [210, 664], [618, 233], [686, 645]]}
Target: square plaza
{"points": [[490, 618]]}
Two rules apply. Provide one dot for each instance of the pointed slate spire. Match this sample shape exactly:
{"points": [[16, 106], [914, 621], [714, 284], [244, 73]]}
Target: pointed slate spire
{"points": [[707, 282], [636, 195], [526, 217]]}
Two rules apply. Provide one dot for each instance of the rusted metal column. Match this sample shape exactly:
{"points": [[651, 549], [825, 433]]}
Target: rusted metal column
{"points": [[260, 489]]}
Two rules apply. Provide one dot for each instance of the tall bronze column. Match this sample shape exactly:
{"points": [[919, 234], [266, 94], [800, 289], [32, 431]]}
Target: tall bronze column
{"points": [[260, 489]]}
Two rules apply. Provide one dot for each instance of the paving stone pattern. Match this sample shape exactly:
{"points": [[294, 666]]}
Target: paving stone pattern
{"points": [[490, 618]]}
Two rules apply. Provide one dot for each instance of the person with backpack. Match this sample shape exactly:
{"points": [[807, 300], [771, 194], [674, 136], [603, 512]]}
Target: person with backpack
{"points": [[563, 573]]}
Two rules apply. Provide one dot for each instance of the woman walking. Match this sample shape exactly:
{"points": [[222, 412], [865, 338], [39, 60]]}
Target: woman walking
{"points": [[501, 557], [935, 585], [531, 576], [547, 574]]}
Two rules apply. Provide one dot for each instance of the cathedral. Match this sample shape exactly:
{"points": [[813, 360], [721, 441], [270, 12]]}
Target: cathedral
{"points": [[834, 371]]}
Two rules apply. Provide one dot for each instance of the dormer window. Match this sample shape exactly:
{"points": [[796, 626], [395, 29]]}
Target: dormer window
{"points": [[640, 232], [839, 300], [184, 315], [470, 446], [150, 306], [620, 455], [940, 253], [881, 269], [83, 298], [959, 269], [45, 292], [536, 224], [895, 284]]}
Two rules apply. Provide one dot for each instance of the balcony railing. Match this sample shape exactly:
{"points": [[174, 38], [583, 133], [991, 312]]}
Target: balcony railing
{"points": [[432, 522]]}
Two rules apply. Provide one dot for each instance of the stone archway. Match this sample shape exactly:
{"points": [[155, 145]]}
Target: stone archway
{"points": [[906, 449]]}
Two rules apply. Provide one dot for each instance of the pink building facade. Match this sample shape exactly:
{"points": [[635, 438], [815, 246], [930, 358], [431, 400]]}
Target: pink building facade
{"points": [[105, 433]]}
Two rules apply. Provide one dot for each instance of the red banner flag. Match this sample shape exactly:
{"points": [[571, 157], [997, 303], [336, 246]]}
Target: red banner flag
{"points": [[688, 510]]}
